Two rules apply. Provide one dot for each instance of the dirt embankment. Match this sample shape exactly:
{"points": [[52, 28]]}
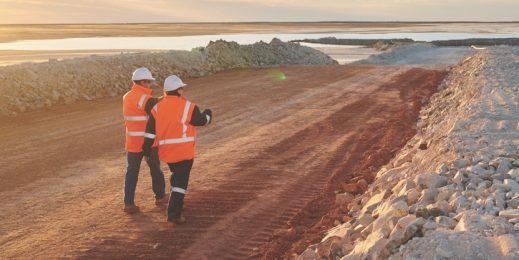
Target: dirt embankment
{"points": [[36, 86], [256, 168]]}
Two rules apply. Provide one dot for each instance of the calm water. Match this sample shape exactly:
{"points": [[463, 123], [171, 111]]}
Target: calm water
{"points": [[189, 42]]}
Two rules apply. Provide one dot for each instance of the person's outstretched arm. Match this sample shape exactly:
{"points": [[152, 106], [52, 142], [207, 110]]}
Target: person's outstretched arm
{"points": [[201, 118]]}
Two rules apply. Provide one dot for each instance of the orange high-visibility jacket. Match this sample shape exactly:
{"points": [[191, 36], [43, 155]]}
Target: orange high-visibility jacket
{"points": [[135, 117], [174, 134]]}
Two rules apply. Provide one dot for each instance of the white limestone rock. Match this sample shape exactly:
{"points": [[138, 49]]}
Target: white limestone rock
{"points": [[412, 196], [513, 203], [365, 219], [509, 213], [458, 178], [431, 180], [375, 201], [460, 163], [445, 222]]}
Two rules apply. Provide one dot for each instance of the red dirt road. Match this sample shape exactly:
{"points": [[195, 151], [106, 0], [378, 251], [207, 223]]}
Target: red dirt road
{"points": [[275, 148]]}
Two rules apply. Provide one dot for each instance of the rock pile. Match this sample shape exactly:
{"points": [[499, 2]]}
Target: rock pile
{"points": [[417, 53], [453, 192], [34, 86]]}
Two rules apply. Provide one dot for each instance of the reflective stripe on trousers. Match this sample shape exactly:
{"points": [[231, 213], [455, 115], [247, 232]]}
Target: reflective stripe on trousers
{"points": [[179, 181], [179, 190]]}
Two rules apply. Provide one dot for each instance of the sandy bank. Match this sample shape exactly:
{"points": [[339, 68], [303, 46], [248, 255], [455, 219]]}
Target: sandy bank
{"points": [[57, 31]]}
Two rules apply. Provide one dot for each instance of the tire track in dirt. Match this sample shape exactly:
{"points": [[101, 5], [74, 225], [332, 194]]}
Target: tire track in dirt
{"points": [[235, 218], [273, 149], [251, 192], [69, 188], [375, 150]]}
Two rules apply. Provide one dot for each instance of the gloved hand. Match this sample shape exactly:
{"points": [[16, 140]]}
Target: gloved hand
{"points": [[209, 112]]}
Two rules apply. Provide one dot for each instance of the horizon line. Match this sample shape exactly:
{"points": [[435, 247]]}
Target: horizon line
{"points": [[259, 22]]}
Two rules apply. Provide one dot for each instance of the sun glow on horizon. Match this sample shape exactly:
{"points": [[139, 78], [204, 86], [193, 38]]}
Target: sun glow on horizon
{"points": [[138, 11]]}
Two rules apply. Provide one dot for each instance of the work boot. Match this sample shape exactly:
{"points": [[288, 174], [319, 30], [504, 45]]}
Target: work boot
{"points": [[180, 220], [162, 202], [131, 208]]}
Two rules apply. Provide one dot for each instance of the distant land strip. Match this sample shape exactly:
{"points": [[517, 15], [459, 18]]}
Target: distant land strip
{"points": [[372, 42]]}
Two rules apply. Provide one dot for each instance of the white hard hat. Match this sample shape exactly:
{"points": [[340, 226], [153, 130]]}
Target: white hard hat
{"points": [[142, 73], [173, 83]]}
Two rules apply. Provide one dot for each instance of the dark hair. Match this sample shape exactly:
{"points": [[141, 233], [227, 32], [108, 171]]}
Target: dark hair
{"points": [[173, 92], [139, 82]]}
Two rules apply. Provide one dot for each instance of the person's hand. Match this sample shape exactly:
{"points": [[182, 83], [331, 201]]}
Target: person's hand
{"points": [[209, 112]]}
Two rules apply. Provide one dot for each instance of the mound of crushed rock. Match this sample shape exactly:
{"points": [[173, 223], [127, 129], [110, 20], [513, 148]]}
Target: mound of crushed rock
{"points": [[453, 191], [34, 86], [419, 53]]}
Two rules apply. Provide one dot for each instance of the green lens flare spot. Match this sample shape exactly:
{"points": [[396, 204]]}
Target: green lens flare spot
{"points": [[278, 75]]}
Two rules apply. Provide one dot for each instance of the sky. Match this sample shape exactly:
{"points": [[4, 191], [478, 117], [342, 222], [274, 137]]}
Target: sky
{"points": [[139, 11]]}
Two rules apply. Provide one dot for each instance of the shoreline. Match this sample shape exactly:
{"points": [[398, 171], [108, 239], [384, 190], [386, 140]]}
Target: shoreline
{"points": [[14, 32]]}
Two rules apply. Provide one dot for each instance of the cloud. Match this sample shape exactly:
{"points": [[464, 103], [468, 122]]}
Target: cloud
{"points": [[379, 10], [63, 11], [100, 11]]}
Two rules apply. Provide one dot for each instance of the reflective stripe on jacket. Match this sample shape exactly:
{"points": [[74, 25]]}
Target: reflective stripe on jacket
{"points": [[174, 134], [135, 117]]}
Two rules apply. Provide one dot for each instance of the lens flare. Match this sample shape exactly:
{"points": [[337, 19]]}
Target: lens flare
{"points": [[278, 75]]}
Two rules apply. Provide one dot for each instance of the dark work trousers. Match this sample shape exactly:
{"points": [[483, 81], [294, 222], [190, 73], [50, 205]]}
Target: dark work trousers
{"points": [[132, 175], [179, 179]]}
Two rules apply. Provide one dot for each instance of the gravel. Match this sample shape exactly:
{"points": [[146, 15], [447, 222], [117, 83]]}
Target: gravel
{"points": [[419, 53], [36, 86]]}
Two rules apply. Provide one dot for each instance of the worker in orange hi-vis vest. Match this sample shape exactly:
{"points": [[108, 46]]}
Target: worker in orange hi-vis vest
{"points": [[172, 125], [137, 104]]}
